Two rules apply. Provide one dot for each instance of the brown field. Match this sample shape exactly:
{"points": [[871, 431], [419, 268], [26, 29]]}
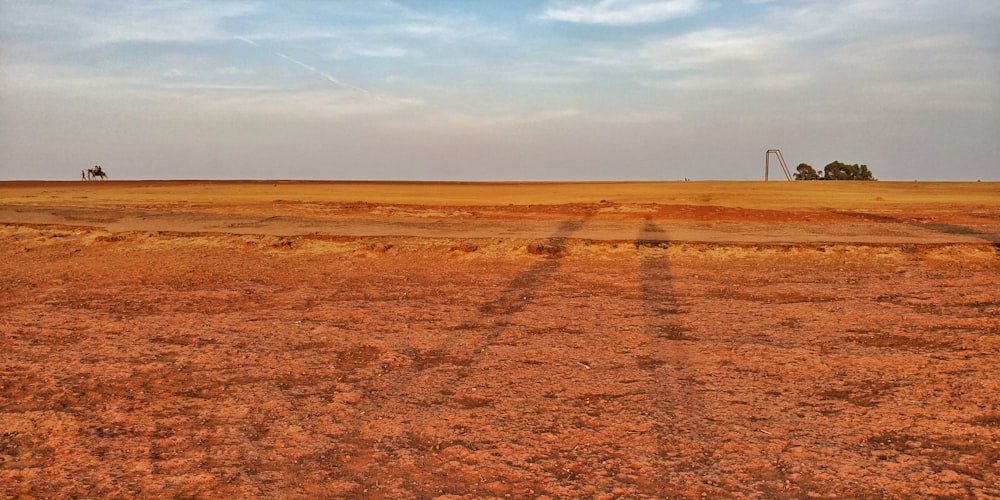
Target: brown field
{"points": [[513, 340]]}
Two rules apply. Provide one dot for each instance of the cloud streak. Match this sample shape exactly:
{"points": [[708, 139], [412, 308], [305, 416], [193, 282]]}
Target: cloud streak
{"points": [[312, 69], [621, 12]]}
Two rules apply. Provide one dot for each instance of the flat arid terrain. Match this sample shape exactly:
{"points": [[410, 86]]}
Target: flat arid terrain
{"points": [[508, 340]]}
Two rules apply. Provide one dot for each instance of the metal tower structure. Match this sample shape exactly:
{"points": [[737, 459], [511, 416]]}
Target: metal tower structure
{"points": [[781, 159]]}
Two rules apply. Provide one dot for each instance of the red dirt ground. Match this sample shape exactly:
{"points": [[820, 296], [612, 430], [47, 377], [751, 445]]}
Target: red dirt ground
{"points": [[615, 349]]}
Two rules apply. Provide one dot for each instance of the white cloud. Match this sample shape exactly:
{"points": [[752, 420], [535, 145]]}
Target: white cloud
{"points": [[165, 92], [387, 52], [621, 12], [234, 71], [306, 104], [704, 48], [743, 82], [174, 73], [490, 120], [100, 23], [641, 118], [721, 51]]}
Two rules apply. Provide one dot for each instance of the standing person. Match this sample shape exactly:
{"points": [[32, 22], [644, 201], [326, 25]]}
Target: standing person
{"points": [[83, 175]]}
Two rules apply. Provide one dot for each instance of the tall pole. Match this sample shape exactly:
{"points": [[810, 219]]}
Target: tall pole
{"points": [[781, 159], [767, 163]]}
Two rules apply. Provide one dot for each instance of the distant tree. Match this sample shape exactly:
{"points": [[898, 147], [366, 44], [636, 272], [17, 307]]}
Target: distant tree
{"points": [[835, 171], [866, 175], [805, 172], [838, 171]]}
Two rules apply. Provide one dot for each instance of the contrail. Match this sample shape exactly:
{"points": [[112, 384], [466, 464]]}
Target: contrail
{"points": [[247, 40], [315, 71], [327, 76]]}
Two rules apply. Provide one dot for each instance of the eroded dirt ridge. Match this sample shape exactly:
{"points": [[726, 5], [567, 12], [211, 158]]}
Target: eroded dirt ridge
{"points": [[984, 233]]}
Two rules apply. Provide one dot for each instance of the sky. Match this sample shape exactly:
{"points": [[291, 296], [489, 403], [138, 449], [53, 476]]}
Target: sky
{"points": [[498, 90]]}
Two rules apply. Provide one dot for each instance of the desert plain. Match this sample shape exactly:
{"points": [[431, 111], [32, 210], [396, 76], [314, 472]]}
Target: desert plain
{"points": [[282, 339]]}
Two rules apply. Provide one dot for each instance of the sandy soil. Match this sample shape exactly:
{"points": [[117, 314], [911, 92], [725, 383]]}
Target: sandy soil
{"points": [[393, 340]]}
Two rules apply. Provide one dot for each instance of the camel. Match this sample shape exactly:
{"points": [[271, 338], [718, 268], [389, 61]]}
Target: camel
{"points": [[94, 173]]}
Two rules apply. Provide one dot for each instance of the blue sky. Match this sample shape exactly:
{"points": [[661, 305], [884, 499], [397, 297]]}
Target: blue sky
{"points": [[484, 90]]}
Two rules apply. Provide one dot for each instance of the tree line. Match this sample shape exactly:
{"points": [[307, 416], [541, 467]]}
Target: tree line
{"points": [[835, 171]]}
